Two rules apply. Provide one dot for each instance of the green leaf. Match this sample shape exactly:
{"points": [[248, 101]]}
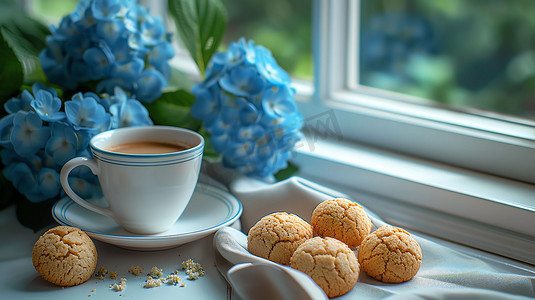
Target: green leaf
{"points": [[173, 109], [26, 37], [201, 25], [11, 74], [209, 151], [180, 80], [286, 173]]}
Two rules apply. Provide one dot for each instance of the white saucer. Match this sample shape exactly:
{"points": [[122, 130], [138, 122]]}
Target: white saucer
{"points": [[209, 209]]}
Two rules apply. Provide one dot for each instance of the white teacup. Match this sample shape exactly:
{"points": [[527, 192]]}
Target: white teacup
{"points": [[146, 193]]}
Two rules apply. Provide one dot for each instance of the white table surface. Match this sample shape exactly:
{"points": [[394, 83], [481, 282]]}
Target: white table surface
{"points": [[19, 279]]}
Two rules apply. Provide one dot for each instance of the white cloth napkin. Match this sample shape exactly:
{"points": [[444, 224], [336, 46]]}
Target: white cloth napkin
{"points": [[445, 273]]}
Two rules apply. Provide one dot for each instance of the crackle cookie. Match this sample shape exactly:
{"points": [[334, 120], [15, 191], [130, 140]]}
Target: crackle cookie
{"points": [[329, 262], [276, 236], [343, 220], [390, 254], [65, 256]]}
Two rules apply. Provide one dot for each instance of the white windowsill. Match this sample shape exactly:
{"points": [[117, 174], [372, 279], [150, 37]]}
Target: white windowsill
{"points": [[471, 208], [482, 211]]}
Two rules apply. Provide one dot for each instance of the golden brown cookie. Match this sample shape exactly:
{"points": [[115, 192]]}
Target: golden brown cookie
{"points": [[277, 235], [343, 220], [65, 256], [390, 254], [329, 262]]}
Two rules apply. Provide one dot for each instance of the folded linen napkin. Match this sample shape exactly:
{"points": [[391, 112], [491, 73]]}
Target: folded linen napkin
{"points": [[444, 274]]}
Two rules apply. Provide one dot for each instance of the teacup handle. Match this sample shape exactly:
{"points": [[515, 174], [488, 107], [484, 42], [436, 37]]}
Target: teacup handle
{"points": [[64, 178]]}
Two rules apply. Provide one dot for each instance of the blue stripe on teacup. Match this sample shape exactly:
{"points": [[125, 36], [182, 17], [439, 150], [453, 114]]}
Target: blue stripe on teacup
{"points": [[151, 161], [110, 155]]}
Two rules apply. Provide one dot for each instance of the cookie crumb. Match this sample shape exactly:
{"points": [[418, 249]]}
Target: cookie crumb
{"points": [[102, 271], [136, 270], [119, 287], [153, 282], [113, 275], [194, 270], [173, 279], [155, 272]]}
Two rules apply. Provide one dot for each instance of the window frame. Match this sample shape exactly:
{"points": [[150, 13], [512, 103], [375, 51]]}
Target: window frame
{"points": [[466, 140], [447, 179]]}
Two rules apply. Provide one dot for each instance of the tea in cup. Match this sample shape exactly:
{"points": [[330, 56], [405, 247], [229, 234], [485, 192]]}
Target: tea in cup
{"points": [[147, 175]]}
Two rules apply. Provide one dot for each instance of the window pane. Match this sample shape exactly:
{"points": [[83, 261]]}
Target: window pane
{"points": [[282, 26], [462, 53], [50, 12]]}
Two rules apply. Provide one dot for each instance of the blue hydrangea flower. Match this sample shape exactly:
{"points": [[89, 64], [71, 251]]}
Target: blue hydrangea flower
{"points": [[81, 187], [28, 134], [128, 112], [242, 81], [8, 156], [113, 43], [24, 102], [248, 108], [207, 103], [6, 127], [34, 161], [159, 55], [149, 83], [268, 68], [101, 60], [48, 181], [63, 143], [47, 106], [105, 9], [85, 113], [14, 105], [278, 102], [47, 161], [38, 138], [24, 180]]}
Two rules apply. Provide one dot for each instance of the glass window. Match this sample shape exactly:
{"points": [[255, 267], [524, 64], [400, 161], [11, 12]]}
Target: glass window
{"points": [[475, 54], [363, 89], [282, 26], [50, 12]]}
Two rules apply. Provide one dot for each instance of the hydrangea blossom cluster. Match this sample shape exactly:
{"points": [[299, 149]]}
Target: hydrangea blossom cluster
{"points": [[38, 138], [113, 43], [247, 106]]}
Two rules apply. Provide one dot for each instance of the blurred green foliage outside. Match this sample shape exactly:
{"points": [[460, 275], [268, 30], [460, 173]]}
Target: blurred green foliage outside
{"points": [[462, 53], [283, 26]]}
